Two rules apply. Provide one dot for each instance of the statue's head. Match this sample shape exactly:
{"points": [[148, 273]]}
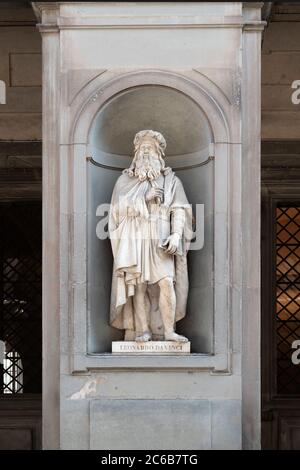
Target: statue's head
{"points": [[153, 138], [148, 162]]}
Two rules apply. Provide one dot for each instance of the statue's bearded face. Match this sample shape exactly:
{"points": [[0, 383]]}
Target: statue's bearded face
{"points": [[148, 163]]}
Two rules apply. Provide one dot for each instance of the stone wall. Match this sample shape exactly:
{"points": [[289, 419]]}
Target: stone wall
{"points": [[92, 53], [112, 397], [20, 69], [280, 67]]}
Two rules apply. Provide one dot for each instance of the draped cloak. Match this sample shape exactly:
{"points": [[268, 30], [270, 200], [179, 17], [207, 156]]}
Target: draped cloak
{"points": [[138, 231]]}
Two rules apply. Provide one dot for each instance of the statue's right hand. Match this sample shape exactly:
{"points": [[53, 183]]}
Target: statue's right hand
{"points": [[153, 193]]}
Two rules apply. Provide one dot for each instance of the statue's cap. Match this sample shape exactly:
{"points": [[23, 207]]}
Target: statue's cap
{"points": [[151, 135]]}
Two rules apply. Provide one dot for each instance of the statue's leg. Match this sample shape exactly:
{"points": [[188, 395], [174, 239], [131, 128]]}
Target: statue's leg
{"points": [[141, 306], [167, 306]]}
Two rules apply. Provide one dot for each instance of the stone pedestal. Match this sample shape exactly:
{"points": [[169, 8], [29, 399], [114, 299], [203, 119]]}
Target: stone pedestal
{"points": [[150, 347]]}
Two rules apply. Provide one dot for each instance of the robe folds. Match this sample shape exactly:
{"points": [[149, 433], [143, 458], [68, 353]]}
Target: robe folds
{"points": [[138, 231]]}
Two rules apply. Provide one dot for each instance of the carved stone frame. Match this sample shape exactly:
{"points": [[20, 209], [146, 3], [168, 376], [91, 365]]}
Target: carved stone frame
{"points": [[243, 296], [84, 107]]}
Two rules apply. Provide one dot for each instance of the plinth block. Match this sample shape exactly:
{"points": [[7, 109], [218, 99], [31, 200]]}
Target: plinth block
{"points": [[151, 347]]}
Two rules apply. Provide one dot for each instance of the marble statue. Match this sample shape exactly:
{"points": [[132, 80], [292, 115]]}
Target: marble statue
{"points": [[150, 227]]}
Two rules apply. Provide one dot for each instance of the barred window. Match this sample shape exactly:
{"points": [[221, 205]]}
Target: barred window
{"points": [[287, 297], [20, 290], [13, 371]]}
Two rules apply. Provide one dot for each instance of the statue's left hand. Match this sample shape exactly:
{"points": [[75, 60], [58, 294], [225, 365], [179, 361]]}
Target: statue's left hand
{"points": [[172, 243]]}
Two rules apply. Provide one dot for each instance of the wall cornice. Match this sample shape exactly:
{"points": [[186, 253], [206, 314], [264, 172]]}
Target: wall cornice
{"points": [[60, 15]]}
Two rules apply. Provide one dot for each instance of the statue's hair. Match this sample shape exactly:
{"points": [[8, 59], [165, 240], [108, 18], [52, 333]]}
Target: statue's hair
{"points": [[160, 144], [155, 135]]}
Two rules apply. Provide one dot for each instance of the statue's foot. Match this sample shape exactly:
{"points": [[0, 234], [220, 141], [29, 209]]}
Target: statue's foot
{"points": [[175, 337], [144, 337]]}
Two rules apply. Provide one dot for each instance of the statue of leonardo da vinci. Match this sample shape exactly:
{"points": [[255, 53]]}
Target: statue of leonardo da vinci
{"points": [[150, 227]]}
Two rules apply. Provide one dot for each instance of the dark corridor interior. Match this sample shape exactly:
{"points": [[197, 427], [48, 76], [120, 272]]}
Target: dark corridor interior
{"points": [[20, 321]]}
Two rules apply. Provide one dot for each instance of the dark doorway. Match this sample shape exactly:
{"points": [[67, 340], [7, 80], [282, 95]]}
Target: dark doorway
{"points": [[20, 324], [280, 295]]}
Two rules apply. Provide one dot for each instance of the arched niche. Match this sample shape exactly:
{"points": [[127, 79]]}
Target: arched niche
{"points": [[189, 135]]}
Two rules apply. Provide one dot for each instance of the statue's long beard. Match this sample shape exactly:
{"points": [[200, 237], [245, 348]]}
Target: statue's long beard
{"points": [[148, 170]]}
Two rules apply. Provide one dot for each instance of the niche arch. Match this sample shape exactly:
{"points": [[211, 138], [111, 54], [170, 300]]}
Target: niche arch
{"points": [[197, 86], [96, 109]]}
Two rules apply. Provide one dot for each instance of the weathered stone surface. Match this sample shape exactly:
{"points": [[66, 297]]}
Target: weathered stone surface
{"points": [[20, 126], [282, 36], [150, 424], [20, 39], [278, 98], [25, 99], [20, 68], [12, 12], [251, 240], [226, 424], [281, 125], [280, 68], [75, 428], [26, 69]]}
